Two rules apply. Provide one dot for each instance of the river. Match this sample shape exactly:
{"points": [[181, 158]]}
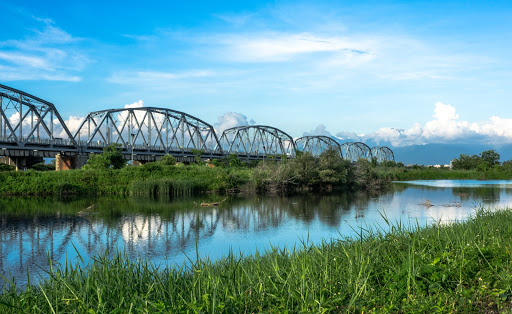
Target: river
{"points": [[170, 232]]}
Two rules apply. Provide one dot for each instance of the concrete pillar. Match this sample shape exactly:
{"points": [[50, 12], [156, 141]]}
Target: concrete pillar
{"points": [[80, 161], [8, 161], [63, 163]]}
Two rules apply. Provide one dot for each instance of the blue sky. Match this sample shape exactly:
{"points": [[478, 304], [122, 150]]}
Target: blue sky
{"points": [[398, 73]]}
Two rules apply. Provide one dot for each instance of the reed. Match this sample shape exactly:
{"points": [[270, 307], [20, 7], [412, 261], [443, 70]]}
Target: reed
{"points": [[304, 173], [166, 187], [459, 267], [406, 174]]}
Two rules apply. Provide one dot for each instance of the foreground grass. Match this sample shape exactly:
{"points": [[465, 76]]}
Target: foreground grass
{"points": [[405, 174], [462, 267]]}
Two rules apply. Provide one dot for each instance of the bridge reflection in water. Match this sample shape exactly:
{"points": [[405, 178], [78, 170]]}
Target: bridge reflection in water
{"points": [[162, 230], [166, 231]]}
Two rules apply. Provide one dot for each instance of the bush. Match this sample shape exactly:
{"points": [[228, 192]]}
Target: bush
{"points": [[4, 167], [167, 160], [111, 158]]}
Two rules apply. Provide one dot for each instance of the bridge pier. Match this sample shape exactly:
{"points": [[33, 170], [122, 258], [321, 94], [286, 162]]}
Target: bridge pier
{"points": [[63, 162], [20, 162]]}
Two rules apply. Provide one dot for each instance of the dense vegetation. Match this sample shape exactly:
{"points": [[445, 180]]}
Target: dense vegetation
{"points": [[431, 173], [463, 267], [107, 173], [487, 160], [485, 166]]}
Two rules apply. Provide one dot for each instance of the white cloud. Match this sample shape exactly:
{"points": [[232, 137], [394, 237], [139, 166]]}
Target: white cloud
{"points": [[494, 127], [139, 115], [445, 112], [48, 53], [273, 47], [447, 128], [319, 130], [19, 59], [231, 120], [73, 123], [137, 104]]}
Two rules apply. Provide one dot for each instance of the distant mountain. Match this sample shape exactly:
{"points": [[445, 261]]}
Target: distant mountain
{"points": [[441, 154]]}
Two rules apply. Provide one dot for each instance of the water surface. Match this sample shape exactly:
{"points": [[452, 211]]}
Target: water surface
{"points": [[167, 231]]}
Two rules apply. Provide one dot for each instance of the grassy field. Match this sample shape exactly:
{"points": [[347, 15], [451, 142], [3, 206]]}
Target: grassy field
{"points": [[429, 173], [129, 180], [462, 267]]}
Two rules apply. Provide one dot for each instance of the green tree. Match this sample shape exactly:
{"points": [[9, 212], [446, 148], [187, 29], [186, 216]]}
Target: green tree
{"points": [[465, 162], [490, 157], [507, 165], [114, 155], [485, 161], [111, 158], [197, 153], [167, 160], [305, 168], [333, 169], [234, 161]]}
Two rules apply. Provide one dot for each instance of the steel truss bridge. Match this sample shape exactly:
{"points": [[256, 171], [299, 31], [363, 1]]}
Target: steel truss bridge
{"points": [[32, 128]]}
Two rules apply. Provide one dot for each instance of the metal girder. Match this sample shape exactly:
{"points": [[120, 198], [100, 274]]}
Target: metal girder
{"points": [[316, 145], [383, 153], [354, 151], [29, 120], [30, 123], [257, 141], [148, 129]]}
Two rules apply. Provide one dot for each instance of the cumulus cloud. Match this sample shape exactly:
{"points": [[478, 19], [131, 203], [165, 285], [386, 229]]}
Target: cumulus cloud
{"points": [[29, 122], [346, 136], [73, 123], [446, 127], [137, 104], [231, 120], [341, 137], [319, 130]]}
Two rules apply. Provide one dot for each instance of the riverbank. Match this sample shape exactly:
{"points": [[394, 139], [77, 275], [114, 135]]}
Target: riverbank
{"points": [[431, 173], [461, 267], [303, 173]]}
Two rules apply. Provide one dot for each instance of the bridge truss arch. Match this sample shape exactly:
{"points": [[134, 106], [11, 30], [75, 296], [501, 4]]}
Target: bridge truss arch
{"points": [[316, 145], [354, 151], [257, 141], [148, 130], [383, 153], [29, 122]]}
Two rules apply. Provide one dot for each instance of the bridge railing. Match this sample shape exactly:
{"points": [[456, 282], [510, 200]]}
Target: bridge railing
{"points": [[142, 147], [38, 141]]}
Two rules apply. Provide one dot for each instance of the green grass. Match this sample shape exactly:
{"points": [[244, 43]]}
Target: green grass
{"points": [[300, 174], [129, 180], [406, 174], [462, 267]]}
